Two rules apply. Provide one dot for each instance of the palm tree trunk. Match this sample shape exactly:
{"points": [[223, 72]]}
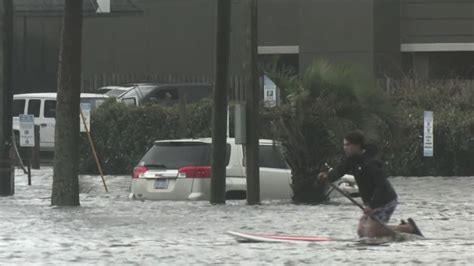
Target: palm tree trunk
{"points": [[306, 188], [65, 178]]}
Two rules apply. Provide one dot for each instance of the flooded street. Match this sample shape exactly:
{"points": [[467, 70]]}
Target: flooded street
{"points": [[109, 229]]}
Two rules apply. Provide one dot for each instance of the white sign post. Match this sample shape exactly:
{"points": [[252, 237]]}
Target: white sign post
{"points": [[428, 140], [27, 131], [86, 112]]}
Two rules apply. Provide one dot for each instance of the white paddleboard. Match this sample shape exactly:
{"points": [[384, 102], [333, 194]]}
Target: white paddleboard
{"points": [[255, 238]]}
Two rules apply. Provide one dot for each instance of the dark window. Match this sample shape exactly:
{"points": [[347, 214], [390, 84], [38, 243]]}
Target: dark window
{"points": [[144, 90], [49, 109], [18, 107], [174, 155], [34, 107], [165, 96], [271, 156]]}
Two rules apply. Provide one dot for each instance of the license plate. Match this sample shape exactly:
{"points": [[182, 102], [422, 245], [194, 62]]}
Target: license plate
{"points": [[161, 183]]}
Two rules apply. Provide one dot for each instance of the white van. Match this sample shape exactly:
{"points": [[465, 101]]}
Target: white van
{"points": [[43, 107], [180, 170]]}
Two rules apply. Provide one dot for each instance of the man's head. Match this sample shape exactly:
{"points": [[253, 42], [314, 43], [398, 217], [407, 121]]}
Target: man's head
{"points": [[353, 143]]}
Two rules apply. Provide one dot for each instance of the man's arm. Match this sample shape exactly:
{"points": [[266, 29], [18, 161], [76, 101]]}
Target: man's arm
{"points": [[337, 172]]}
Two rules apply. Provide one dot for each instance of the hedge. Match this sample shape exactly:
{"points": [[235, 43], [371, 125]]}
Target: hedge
{"points": [[122, 134]]}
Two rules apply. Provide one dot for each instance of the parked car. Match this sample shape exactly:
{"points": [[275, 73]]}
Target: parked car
{"points": [[113, 91], [180, 170], [43, 107], [347, 184], [164, 94]]}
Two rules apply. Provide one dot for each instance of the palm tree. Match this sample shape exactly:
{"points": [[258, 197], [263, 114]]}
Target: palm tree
{"points": [[321, 106]]}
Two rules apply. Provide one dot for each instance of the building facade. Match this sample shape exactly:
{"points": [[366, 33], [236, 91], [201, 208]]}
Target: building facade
{"points": [[430, 38]]}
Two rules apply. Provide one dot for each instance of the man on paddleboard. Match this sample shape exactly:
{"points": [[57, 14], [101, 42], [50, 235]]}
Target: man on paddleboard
{"points": [[378, 195]]}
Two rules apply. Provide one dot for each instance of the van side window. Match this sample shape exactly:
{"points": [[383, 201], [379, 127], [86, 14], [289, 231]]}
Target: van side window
{"points": [[18, 107], [34, 107], [163, 96], [49, 109]]}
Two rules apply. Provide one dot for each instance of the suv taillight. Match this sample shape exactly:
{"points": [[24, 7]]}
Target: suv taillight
{"points": [[195, 172], [139, 170]]}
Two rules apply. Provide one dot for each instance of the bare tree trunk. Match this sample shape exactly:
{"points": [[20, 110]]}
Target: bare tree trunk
{"points": [[66, 151], [6, 98], [219, 111]]}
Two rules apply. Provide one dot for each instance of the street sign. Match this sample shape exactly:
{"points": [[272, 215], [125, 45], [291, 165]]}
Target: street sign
{"points": [[27, 131], [269, 92], [428, 140], [86, 112]]}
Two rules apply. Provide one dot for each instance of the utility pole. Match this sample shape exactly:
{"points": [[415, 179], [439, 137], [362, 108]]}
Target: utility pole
{"points": [[219, 112], [7, 185], [252, 105]]}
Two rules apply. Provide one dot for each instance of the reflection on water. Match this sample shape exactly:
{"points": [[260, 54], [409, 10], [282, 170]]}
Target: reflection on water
{"points": [[110, 229]]}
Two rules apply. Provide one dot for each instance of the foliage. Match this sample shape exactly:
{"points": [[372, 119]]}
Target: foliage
{"points": [[321, 106], [122, 134], [453, 105]]}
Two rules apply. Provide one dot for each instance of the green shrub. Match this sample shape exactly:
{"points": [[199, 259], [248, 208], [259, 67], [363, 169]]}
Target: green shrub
{"points": [[122, 134], [453, 105]]}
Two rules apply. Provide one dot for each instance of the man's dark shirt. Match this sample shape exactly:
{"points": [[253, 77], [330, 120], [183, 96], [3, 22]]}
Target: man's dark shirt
{"points": [[369, 173]]}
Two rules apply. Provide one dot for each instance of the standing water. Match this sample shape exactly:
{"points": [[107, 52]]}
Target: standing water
{"points": [[110, 229]]}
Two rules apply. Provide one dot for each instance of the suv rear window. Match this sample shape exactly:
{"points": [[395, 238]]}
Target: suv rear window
{"points": [[271, 156], [174, 155]]}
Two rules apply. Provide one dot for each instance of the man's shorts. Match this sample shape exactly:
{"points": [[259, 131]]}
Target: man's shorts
{"points": [[384, 212]]}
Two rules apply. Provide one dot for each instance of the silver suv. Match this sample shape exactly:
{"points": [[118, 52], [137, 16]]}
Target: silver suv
{"points": [[164, 94]]}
